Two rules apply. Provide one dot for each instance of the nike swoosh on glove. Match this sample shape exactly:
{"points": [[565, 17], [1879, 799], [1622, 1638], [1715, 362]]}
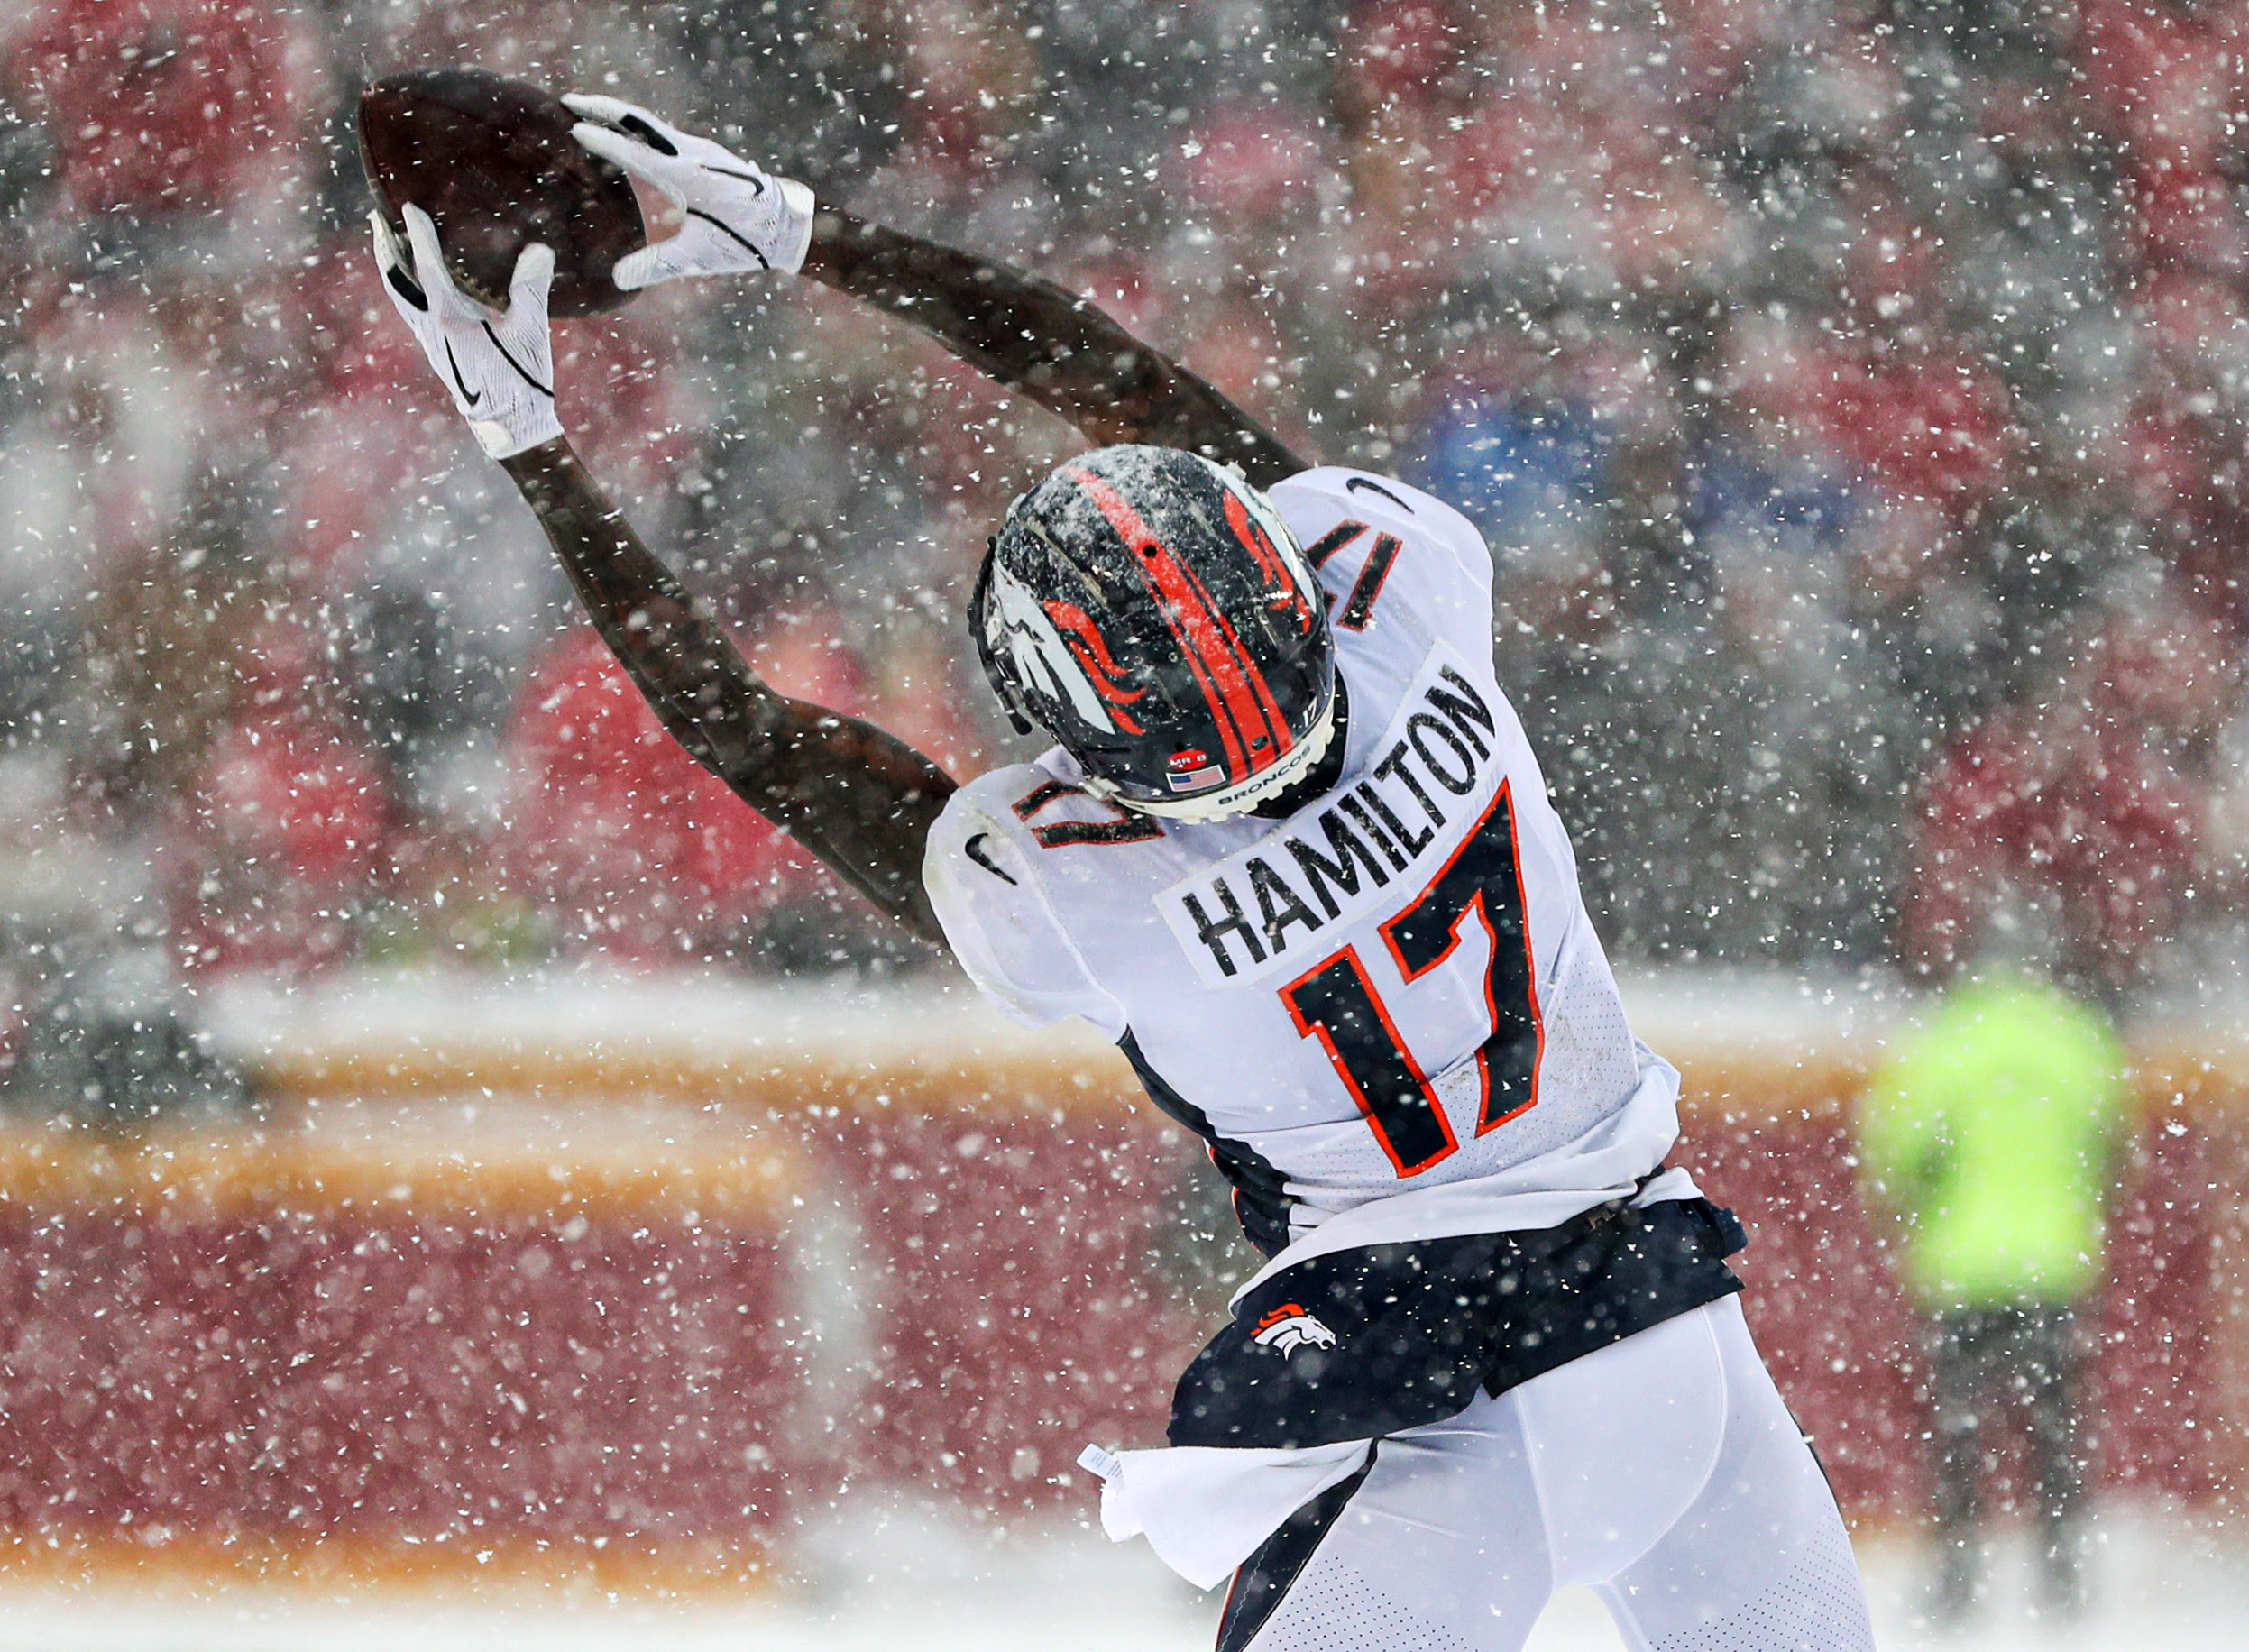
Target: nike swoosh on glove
{"points": [[499, 364], [735, 215]]}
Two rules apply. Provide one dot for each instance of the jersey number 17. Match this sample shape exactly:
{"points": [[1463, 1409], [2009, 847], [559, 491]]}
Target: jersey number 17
{"points": [[1334, 1000]]}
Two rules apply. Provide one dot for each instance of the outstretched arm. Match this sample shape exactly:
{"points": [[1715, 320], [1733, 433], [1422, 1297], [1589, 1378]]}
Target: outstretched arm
{"points": [[1043, 342], [1034, 336], [859, 798]]}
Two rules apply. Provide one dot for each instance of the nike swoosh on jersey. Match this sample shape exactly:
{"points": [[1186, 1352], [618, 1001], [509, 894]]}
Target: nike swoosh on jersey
{"points": [[1376, 487], [974, 849]]}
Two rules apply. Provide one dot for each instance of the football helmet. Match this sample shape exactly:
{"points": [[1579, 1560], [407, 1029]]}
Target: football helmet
{"points": [[1150, 611]]}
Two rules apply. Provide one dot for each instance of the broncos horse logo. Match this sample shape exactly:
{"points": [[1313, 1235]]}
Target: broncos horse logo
{"points": [[1289, 1328], [1083, 639], [1055, 649]]}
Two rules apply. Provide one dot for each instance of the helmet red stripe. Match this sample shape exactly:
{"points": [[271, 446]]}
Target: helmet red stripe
{"points": [[1277, 724], [1239, 697], [1186, 608]]}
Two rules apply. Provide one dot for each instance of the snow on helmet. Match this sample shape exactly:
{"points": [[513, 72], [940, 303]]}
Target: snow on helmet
{"points": [[1151, 611]]}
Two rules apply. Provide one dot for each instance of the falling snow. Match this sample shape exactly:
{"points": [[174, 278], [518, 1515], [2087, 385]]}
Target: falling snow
{"points": [[462, 1171]]}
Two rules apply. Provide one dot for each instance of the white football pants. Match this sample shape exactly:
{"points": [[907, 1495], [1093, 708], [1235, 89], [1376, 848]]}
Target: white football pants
{"points": [[1664, 1471]]}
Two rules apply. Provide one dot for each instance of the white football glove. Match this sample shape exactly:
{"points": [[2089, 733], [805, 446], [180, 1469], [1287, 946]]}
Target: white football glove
{"points": [[737, 216], [499, 364]]}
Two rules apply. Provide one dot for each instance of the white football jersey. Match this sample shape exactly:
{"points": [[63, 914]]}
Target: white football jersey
{"points": [[1388, 1014]]}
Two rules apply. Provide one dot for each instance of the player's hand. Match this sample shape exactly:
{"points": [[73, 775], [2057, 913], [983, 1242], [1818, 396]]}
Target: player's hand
{"points": [[737, 216], [499, 364]]}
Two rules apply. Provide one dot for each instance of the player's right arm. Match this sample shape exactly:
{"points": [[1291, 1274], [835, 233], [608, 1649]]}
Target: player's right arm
{"points": [[1031, 334], [859, 798]]}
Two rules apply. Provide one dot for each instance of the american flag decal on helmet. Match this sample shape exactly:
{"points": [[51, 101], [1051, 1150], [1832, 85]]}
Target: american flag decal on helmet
{"points": [[1193, 770]]}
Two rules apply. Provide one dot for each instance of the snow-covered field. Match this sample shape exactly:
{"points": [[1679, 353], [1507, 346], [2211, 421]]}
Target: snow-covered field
{"points": [[899, 1582]]}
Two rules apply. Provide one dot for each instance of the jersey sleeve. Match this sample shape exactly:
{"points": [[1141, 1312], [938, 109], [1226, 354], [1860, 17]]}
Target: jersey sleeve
{"points": [[1451, 529], [1390, 557], [1317, 500], [985, 888]]}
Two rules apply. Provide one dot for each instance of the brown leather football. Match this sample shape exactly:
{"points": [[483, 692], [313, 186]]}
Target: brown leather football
{"points": [[492, 161]]}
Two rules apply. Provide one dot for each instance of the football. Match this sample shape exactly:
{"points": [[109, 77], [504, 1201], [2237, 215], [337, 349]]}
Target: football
{"points": [[492, 161]]}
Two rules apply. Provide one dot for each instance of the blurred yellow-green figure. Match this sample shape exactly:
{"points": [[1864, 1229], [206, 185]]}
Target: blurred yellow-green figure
{"points": [[1989, 1137]]}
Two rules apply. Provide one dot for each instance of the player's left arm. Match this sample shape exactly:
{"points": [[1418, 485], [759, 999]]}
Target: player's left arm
{"points": [[1032, 335], [859, 798], [856, 795]]}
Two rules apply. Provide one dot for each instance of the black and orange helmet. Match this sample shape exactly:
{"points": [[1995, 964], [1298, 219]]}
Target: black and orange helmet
{"points": [[1150, 611]]}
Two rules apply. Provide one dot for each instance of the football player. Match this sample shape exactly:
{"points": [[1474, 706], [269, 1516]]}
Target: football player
{"points": [[1291, 849]]}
